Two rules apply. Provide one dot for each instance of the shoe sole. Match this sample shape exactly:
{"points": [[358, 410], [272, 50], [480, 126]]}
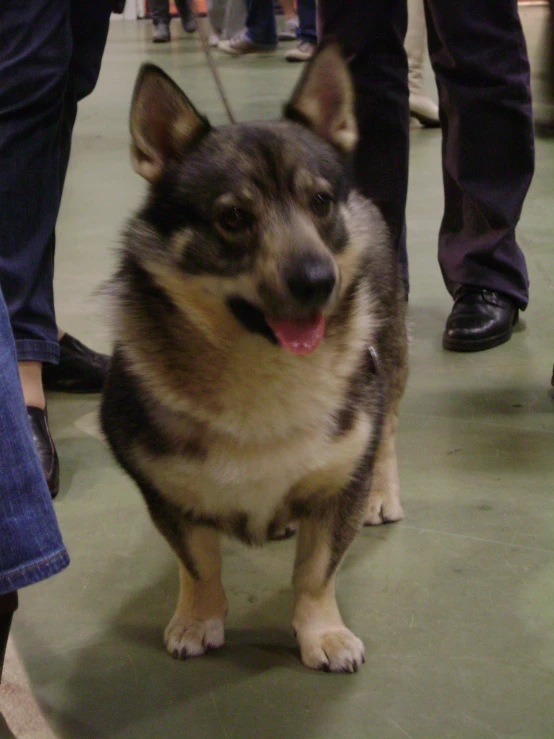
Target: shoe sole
{"points": [[454, 345], [475, 346]]}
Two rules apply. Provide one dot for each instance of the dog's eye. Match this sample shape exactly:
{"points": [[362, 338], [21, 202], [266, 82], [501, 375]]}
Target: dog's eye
{"points": [[321, 204], [235, 219]]}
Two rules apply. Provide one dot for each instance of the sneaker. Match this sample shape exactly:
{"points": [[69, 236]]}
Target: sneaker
{"points": [[303, 51], [189, 24], [240, 44], [213, 39], [160, 33], [290, 26]]}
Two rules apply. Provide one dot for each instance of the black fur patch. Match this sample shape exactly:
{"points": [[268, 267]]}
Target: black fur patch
{"points": [[251, 318]]}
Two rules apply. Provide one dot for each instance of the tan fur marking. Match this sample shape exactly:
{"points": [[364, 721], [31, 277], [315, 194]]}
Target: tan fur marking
{"points": [[324, 640], [383, 505], [197, 624]]}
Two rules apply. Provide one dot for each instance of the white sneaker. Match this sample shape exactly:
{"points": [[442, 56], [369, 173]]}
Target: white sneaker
{"points": [[290, 26], [160, 33], [240, 44], [303, 51]]}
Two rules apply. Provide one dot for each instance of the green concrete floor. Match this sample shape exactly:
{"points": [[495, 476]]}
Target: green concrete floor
{"points": [[455, 604]]}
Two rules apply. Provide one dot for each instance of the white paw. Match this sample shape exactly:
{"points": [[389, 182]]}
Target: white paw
{"points": [[186, 637], [333, 650], [383, 508]]}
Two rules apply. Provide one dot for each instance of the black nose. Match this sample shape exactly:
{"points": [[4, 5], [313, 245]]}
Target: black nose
{"points": [[311, 281]]}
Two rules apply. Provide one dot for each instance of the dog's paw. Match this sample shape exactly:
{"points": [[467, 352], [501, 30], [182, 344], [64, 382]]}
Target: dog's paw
{"points": [[335, 650], [185, 637], [383, 508]]}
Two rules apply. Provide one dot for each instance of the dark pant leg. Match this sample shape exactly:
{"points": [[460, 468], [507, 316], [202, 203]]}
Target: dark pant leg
{"points": [[261, 26], [35, 55], [90, 23], [306, 21], [480, 60], [550, 54], [372, 34], [159, 11]]}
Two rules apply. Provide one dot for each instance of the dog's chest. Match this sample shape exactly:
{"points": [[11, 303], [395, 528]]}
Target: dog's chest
{"points": [[254, 483]]}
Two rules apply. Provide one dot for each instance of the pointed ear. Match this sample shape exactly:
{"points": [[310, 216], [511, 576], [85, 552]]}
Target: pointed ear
{"points": [[163, 122], [324, 98]]}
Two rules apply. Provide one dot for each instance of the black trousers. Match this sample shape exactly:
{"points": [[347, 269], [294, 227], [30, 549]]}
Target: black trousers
{"points": [[479, 57]]}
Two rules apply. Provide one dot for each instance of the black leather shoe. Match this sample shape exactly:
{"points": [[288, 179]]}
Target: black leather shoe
{"points": [[80, 370], [46, 450], [480, 319]]}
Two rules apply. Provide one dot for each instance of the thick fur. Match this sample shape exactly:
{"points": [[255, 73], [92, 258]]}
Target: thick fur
{"points": [[223, 429]]}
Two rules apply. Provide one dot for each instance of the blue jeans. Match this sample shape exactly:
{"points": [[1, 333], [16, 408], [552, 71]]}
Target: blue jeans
{"points": [[49, 60], [306, 21], [261, 26], [31, 547]]}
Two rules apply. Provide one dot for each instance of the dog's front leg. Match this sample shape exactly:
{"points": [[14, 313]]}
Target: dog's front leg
{"points": [[325, 642], [198, 622]]}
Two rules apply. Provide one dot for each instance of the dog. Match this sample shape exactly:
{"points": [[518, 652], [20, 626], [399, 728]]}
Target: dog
{"points": [[260, 348]]}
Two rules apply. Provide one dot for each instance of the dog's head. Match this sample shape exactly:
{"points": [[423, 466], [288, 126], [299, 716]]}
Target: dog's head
{"points": [[248, 218]]}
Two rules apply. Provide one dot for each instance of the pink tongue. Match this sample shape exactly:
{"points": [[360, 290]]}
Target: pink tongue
{"points": [[299, 337]]}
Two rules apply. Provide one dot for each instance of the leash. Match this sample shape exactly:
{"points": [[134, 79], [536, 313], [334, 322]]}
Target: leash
{"points": [[211, 63]]}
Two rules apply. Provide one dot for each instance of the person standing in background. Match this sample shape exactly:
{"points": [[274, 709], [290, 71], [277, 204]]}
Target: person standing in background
{"points": [[159, 11], [50, 58], [479, 57]]}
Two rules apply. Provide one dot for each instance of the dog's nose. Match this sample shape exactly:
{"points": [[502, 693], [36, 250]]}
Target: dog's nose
{"points": [[311, 282]]}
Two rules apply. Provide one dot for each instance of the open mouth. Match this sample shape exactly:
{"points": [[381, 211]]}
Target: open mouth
{"points": [[297, 335]]}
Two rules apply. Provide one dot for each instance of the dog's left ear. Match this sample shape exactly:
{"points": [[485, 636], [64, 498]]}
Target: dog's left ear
{"points": [[163, 121], [324, 98]]}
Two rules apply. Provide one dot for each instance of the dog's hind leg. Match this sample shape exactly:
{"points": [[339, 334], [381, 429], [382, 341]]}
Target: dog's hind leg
{"points": [[198, 622], [383, 504], [325, 642]]}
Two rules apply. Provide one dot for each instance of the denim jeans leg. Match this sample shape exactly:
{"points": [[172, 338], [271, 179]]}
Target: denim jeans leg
{"points": [[34, 60], [31, 547], [261, 26], [306, 21]]}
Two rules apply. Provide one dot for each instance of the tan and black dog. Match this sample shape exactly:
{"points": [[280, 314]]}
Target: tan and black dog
{"points": [[260, 348]]}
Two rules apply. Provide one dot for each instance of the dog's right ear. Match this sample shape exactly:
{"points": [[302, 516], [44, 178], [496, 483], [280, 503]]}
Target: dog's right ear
{"points": [[163, 122]]}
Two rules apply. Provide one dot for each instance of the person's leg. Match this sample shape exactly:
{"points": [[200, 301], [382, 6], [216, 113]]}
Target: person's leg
{"points": [[480, 60], [545, 116], [372, 36], [290, 21], [31, 547], [159, 11], [188, 20], [306, 33], [260, 32], [261, 26], [306, 20], [34, 63], [422, 107], [80, 369]]}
